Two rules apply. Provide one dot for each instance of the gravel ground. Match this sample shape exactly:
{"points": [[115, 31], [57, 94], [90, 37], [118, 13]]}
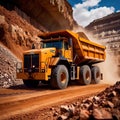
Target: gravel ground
{"points": [[103, 105]]}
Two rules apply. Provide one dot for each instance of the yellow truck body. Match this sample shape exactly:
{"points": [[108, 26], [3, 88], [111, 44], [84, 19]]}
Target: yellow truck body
{"points": [[64, 56], [85, 49]]}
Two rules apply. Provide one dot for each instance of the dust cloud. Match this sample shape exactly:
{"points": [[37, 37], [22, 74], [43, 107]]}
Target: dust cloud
{"points": [[108, 67]]}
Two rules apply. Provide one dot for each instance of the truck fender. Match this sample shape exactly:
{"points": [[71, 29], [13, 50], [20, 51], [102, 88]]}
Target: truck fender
{"points": [[53, 61]]}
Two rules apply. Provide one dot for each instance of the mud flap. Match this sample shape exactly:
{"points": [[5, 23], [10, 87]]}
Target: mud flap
{"points": [[101, 76]]}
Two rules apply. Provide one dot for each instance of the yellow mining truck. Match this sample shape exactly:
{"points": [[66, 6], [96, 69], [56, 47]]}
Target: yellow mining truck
{"points": [[64, 56]]}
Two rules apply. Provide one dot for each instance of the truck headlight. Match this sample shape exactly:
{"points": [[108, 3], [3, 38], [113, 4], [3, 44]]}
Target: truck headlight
{"points": [[19, 67]]}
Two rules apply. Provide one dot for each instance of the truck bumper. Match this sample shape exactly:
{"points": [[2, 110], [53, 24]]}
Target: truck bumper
{"points": [[35, 76]]}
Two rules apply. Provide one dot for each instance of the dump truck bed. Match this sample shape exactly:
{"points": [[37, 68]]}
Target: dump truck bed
{"points": [[84, 50], [91, 51]]}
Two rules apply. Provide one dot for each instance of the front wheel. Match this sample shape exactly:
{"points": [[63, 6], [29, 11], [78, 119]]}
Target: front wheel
{"points": [[31, 83], [60, 77]]}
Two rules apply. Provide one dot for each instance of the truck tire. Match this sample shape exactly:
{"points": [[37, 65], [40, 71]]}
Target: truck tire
{"points": [[60, 77], [31, 83], [85, 75], [96, 74]]}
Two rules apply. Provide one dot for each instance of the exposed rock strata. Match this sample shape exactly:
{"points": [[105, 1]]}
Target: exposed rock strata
{"points": [[15, 32], [50, 14]]}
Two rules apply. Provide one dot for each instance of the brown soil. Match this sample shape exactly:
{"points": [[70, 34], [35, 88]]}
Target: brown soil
{"points": [[21, 103]]}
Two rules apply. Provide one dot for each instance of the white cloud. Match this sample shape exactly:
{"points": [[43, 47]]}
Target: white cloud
{"points": [[89, 10], [89, 3], [118, 11]]}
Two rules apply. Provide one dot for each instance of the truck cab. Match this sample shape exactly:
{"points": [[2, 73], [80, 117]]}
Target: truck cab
{"points": [[62, 45]]}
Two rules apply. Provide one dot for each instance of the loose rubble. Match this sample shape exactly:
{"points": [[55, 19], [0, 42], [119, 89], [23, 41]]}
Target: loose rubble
{"points": [[7, 68], [105, 105]]}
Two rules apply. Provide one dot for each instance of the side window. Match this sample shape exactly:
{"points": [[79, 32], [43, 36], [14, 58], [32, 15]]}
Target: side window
{"points": [[66, 46]]}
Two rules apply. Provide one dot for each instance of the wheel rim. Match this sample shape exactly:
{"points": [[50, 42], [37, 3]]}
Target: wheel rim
{"points": [[63, 77], [97, 75], [87, 76]]}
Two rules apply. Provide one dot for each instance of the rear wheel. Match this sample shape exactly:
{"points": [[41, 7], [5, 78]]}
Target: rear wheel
{"points": [[31, 83], [60, 77], [96, 75], [85, 75]]}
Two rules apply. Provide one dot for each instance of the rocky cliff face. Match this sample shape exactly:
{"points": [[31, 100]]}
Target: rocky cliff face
{"points": [[48, 14], [15, 32]]}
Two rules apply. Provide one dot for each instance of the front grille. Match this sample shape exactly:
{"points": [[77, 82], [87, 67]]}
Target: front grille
{"points": [[31, 63]]}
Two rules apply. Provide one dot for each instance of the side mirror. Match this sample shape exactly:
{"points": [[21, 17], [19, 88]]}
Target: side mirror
{"points": [[70, 42], [41, 45], [33, 46]]}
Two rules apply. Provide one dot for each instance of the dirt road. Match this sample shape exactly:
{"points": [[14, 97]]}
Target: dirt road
{"points": [[19, 100]]}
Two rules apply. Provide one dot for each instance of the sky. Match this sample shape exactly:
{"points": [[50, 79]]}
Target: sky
{"points": [[86, 11]]}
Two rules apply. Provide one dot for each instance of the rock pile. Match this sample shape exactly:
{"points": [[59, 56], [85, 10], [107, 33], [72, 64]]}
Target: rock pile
{"points": [[7, 68], [105, 105]]}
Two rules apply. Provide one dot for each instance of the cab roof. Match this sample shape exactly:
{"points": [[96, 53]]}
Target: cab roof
{"points": [[63, 33]]}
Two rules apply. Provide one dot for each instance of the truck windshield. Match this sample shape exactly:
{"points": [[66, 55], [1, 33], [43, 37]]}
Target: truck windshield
{"points": [[56, 44]]}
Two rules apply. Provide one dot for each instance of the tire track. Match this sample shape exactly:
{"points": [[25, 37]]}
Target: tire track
{"points": [[24, 103]]}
